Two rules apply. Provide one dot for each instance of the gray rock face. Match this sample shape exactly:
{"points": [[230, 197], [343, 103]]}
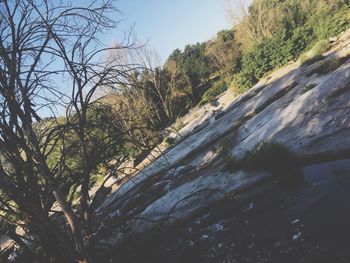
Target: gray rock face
{"points": [[305, 110], [309, 123], [190, 197]]}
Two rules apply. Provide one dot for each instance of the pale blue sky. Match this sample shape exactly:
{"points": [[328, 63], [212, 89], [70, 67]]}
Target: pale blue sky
{"points": [[170, 24], [164, 24]]}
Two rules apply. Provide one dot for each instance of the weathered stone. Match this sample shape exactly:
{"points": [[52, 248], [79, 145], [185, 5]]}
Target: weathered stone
{"points": [[310, 123], [296, 106], [188, 198]]}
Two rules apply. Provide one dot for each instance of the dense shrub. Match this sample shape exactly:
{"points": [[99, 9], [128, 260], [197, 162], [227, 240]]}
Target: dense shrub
{"points": [[272, 157], [329, 25], [213, 92], [275, 52], [179, 124], [315, 54], [169, 141], [296, 34]]}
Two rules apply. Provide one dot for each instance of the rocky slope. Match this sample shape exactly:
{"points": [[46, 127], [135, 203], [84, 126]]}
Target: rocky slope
{"points": [[194, 209]]}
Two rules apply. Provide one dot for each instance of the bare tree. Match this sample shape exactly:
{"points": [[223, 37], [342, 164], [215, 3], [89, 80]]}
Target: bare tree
{"points": [[51, 55], [153, 75], [237, 12], [147, 91], [256, 22]]}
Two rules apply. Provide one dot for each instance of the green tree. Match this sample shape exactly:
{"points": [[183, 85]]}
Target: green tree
{"points": [[195, 68]]}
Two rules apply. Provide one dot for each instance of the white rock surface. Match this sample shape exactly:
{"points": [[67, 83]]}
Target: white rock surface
{"points": [[278, 108]]}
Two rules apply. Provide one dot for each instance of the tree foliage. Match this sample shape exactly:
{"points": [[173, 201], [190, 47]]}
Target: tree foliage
{"points": [[299, 25], [265, 36]]}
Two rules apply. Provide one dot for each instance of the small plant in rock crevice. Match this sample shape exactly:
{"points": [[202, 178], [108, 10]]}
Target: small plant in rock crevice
{"points": [[272, 157], [179, 124], [168, 141], [308, 87], [315, 54]]}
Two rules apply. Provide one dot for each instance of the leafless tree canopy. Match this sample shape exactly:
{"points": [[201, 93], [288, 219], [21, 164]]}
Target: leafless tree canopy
{"points": [[51, 59]]}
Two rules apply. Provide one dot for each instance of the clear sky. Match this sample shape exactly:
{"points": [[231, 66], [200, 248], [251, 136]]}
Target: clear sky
{"points": [[170, 24], [164, 24]]}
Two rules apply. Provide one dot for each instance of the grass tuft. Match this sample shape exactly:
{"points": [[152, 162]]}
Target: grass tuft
{"points": [[308, 87], [179, 124], [315, 54], [168, 141]]}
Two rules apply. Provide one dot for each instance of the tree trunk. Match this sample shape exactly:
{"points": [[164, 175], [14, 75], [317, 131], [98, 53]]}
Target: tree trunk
{"points": [[75, 228]]}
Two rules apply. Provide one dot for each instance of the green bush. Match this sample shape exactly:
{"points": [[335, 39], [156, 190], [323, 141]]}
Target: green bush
{"points": [[327, 25], [179, 124], [213, 92], [97, 179], [169, 141], [306, 59], [314, 54], [270, 54], [272, 157], [288, 44]]}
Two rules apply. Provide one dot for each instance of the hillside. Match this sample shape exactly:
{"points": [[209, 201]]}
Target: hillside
{"points": [[236, 149], [229, 211]]}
